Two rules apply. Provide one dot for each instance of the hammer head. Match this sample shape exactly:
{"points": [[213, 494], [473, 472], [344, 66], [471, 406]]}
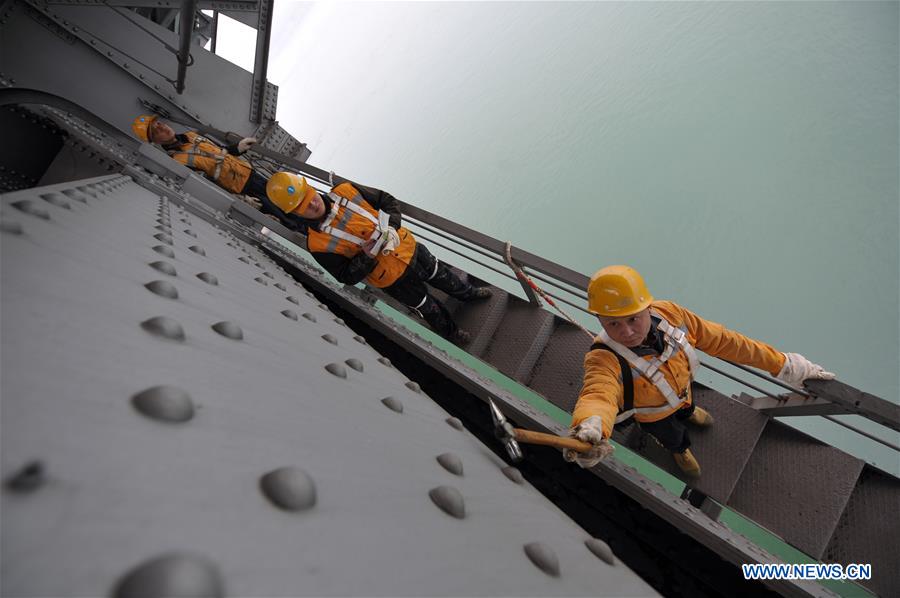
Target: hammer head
{"points": [[503, 430]]}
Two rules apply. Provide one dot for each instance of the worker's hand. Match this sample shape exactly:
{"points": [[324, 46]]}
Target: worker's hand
{"points": [[251, 201], [369, 246], [392, 242], [797, 368], [246, 143], [590, 430]]}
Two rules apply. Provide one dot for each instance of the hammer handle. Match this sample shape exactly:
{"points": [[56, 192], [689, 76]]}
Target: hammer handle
{"points": [[532, 437]]}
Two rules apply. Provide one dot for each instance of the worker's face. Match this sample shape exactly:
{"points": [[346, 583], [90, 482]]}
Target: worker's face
{"points": [[160, 132], [629, 330], [315, 209]]}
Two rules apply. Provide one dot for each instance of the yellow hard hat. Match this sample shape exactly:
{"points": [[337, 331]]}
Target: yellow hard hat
{"points": [[141, 126], [617, 291], [289, 191]]}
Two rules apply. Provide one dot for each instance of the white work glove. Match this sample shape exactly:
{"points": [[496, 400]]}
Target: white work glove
{"points": [[251, 201], [369, 246], [246, 143], [590, 430], [797, 368], [392, 242]]}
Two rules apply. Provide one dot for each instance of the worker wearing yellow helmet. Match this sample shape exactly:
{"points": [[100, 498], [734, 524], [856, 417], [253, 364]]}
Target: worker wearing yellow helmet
{"points": [[356, 234], [643, 361], [220, 164]]}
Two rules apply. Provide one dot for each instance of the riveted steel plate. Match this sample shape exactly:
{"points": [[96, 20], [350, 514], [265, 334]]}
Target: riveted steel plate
{"points": [[796, 486], [559, 372], [203, 431], [869, 531], [522, 330]]}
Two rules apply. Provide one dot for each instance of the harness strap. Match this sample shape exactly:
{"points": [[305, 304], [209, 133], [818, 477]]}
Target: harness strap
{"points": [[648, 369], [627, 411]]}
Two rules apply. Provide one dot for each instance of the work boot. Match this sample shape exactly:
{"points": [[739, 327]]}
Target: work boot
{"points": [[701, 418], [687, 463], [479, 293], [461, 337]]}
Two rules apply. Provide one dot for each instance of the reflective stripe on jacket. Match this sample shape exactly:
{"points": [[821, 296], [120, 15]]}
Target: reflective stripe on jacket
{"points": [[227, 171], [602, 393], [345, 230]]}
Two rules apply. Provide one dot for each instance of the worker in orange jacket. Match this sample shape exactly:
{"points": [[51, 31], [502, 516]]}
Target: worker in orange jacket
{"points": [[355, 233], [222, 165], [643, 361]]}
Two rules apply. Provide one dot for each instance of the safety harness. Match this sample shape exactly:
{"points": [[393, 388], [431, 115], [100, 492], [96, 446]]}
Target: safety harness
{"points": [[195, 151], [352, 207], [674, 340]]}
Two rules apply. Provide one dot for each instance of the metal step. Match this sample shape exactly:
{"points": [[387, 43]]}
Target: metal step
{"points": [[519, 339], [480, 318], [796, 486], [558, 372], [869, 530]]}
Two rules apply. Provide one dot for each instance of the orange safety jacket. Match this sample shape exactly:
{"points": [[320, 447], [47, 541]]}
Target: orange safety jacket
{"points": [[199, 153], [602, 392], [346, 228]]}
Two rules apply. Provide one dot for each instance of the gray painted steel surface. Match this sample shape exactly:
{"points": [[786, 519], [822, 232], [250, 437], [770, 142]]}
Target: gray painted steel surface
{"points": [[163, 442]]}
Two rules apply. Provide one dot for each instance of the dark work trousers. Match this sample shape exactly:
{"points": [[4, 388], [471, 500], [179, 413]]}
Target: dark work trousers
{"points": [[671, 431], [410, 290]]}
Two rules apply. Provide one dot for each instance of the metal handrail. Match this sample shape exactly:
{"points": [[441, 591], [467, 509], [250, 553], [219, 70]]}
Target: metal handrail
{"points": [[458, 233]]}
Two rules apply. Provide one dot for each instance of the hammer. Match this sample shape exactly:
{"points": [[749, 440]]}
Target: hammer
{"points": [[511, 437]]}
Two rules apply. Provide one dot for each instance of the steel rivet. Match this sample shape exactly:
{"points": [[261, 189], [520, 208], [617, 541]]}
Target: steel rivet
{"points": [[413, 386], [198, 250], [289, 488], [208, 278], [163, 289], [31, 208], [261, 281], [163, 238], [27, 479], [165, 327], [601, 550], [164, 267], [289, 314], [393, 404], [451, 463], [164, 403], [337, 369], [309, 317], [454, 422], [229, 330], [280, 286], [513, 474], [543, 558], [56, 200], [449, 500], [355, 364], [293, 300], [330, 338], [173, 574], [163, 250]]}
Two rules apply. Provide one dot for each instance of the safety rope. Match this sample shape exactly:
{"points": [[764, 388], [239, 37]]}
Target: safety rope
{"points": [[526, 280]]}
